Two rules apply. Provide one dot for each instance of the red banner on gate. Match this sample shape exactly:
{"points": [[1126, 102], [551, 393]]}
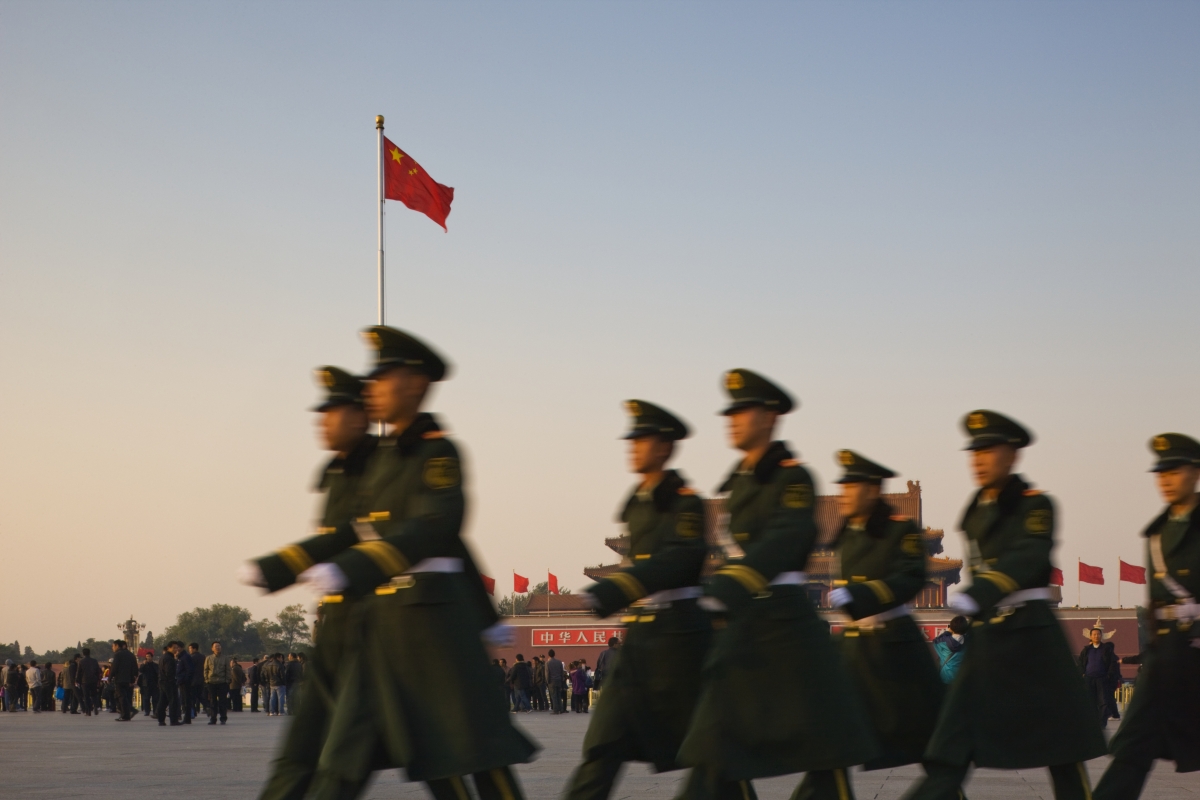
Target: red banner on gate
{"points": [[565, 637]]}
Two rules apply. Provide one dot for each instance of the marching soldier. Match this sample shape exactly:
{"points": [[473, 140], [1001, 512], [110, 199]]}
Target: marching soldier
{"points": [[415, 691], [344, 432], [882, 563], [649, 689], [776, 698], [1163, 719], [1017, 702]]}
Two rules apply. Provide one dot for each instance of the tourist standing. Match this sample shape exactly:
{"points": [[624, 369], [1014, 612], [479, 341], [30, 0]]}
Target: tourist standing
{"points": [[216, 682]]}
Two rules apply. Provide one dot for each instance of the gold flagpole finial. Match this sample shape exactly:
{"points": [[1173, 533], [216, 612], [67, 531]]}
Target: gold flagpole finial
{"points": [[379, 121]]}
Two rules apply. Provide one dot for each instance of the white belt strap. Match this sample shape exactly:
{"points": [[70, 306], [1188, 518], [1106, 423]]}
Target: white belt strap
{"points": [[1183, 612], [440, 564], [790, 579], [1024, 596], [1160, 572], [882, 617], [667, 596]]}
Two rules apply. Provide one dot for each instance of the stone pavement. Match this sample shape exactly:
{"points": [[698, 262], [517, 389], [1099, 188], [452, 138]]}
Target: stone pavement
{"points": [[60, 756]]}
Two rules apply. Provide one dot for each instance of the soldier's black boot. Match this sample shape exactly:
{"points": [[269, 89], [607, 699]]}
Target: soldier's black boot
{"points": [[498, 784], [594, 778], [833, 784], [1071, 782], [705, 784], [941, 782], [1123, 780], [449, 789]]}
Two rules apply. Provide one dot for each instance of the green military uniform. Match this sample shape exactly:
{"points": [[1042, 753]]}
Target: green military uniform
{"points": [[652, 686], [1163, 719], [882, 565], [293, 769], [776, 696], [1018, 700], [416, 691]]}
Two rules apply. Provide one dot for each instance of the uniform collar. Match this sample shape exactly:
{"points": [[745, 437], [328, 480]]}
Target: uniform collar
{"points": [[662, 495], [777, 452], [412, 436], [1006, 502], [352, 463]]}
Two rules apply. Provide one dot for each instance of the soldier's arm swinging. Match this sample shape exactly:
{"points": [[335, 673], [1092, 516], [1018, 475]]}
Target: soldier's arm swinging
{"points": [[1025, 565], [902, 584]]}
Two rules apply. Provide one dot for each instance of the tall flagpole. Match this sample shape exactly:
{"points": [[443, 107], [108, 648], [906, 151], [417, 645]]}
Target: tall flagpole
{"points": [[1078, 584], [379, 269]]}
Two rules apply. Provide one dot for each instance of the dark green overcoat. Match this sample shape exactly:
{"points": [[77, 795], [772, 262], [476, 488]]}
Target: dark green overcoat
{"points": [[653, 685], [1018, 700], [416, 691], [294, 767], [1163, 719], [883, 567], [776, 697]]}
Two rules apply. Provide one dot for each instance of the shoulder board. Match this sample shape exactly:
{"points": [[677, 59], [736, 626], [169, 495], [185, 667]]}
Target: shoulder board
{"points": [[434, 435], [789, 462], [1032, 492], [687, 491], [900, 518]]}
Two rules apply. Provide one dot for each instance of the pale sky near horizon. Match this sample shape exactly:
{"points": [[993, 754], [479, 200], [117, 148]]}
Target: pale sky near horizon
{"points": [[900, 212]]}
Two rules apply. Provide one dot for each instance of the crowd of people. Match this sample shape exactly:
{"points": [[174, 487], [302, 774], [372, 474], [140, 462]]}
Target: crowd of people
{"points": [[545, 683], [180, 686]]}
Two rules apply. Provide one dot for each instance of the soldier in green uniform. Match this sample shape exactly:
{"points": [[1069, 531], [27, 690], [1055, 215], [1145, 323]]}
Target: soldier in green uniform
{"points": [[776, 697], [415, 691], [882, 562], [653, 681], [344, 431], [1163, 719], [1018, 701]]}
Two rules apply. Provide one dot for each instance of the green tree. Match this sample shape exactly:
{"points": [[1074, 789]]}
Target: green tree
{"points": [[224, 623], [293, 627]]}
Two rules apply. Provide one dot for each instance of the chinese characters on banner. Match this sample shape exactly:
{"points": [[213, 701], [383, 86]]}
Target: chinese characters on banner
{"points": [[564, 637]]}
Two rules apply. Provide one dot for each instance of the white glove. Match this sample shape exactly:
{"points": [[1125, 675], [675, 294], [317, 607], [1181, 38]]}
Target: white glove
{"points": [[324, 578], [712, 604], [840, 597], [963, 603], [588, 601], [500, 635], [251, 574]]}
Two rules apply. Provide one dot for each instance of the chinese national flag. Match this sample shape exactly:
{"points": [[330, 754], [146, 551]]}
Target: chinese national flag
{"points": [[406, 181], [520, 584], [553, 583], [489, 584], [1090, 574], [1132, 574], [1056, 576]]}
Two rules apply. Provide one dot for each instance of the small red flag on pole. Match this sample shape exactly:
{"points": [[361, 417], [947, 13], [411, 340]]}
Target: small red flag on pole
{"points": [[553, 583], [1132, 574], [1056, 576], [406, 181], [489, 584], [1090, 574], [520, 584]]}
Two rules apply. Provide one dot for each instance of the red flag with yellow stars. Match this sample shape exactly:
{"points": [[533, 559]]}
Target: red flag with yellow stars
{"points": [[406, 181]]}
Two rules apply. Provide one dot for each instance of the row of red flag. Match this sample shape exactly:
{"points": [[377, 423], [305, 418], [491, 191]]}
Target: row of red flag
{"points": [[520, 583], [1090, 574]]}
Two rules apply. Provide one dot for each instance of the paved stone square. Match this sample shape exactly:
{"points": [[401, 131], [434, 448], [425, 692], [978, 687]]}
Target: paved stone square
{"points": [[62, 756]]}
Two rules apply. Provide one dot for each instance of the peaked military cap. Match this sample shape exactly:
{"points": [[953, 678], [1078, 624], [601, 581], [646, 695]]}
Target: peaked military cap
{"points": [[988, 429], [1174, 450], [859, 469], [651, 420], [395, 348], [748, 389], [341, 388]]}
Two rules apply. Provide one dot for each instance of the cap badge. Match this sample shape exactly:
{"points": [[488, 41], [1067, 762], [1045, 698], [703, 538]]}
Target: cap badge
{"points": [[734, 381], [977, 421], [846, 458], [326, 378], [1161, 443], [633, 408], [372, 338]]}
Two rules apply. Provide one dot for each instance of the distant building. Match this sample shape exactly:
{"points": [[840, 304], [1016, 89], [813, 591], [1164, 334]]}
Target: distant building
{"points": [[940, 572]]}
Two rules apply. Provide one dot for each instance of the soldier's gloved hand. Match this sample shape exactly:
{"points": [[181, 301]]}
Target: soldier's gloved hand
{"points": [[251, 574], [589, 601], [324, 578], [712, 605], [840, 597], [964, 604], [500, 635]]}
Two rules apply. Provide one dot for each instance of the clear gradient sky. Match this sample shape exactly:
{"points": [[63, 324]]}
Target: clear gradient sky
{"points": [[899, 211]]}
